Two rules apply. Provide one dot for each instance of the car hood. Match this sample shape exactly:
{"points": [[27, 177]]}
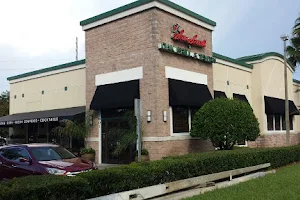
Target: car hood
{"points": [[73, 164]]}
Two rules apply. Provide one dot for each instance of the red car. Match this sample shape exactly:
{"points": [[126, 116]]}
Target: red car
{"points": [[37, 159]]}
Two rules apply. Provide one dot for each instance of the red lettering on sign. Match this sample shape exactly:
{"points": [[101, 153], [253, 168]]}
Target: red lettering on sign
{"points": [[179, 36]]}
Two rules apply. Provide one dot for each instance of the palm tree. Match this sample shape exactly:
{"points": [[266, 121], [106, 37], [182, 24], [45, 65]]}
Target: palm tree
{"points": [[293, 50]]}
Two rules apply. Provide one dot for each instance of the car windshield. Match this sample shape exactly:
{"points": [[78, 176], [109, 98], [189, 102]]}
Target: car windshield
{"points": [[51, 153]]}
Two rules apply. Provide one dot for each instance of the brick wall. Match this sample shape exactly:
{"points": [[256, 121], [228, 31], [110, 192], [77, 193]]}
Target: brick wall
{"points": [[275, 140], [158, 150], [133, 41]]}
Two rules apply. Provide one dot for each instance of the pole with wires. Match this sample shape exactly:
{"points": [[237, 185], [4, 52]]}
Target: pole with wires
{"points": [[76, 48]]}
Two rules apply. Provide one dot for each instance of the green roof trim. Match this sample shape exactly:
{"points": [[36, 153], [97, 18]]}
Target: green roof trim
{"points": [[262, 56], [296, 81], [232, 60], [48, 69], [142, 2]]}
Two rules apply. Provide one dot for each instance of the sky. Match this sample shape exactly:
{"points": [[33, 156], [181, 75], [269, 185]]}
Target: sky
{"points": [[36, 34]]}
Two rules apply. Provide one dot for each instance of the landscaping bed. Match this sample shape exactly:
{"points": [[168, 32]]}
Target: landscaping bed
{"points": [[138, 175]]}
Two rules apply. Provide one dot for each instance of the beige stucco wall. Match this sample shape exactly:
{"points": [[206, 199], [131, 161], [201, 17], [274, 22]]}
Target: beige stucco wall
{"points": [[53, 85], [238, 80], [268, 80], [296, 92], [265, 79]]}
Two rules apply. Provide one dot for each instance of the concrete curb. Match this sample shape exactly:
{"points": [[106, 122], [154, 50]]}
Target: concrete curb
{"points": [[197, 191]]}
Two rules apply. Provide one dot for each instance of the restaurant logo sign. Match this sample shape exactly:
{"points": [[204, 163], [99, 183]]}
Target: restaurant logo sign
{"points": [[184, 52], [178, 35], [30, 121]]}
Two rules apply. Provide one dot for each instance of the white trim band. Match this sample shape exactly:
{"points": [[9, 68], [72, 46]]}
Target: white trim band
{"points": [[270, 58], [119, 76], [50, 73], [146, 7], [184, 75], [229, 64]]}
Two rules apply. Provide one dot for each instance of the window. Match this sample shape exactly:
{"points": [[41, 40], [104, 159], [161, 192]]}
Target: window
{"points": [[23, 95], [15, 96], [182, 119], [242, 143], [270, 122], [51, 153], [66, 88], [277, 122], [283, 123], [43, 92], [14, 154], [291, 123]]}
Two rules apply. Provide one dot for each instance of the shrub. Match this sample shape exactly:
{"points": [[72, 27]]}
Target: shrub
{"points": [[44, 187], [137, 175], [225, 122], [145, 152], [87, 151]]}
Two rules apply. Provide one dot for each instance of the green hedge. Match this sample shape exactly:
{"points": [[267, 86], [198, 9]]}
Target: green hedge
{"points": [[137, 175], [44, 187]]}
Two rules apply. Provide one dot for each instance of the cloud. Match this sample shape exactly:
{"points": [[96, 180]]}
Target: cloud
{"points": [[37, 27]]}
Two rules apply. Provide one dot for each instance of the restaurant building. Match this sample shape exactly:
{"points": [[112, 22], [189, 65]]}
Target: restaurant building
{"points": [[160, 53]]}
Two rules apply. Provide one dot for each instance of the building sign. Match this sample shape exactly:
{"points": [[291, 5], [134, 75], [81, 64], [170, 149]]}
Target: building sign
{"points": [[179, 36], [30, 121], [177, 50]]}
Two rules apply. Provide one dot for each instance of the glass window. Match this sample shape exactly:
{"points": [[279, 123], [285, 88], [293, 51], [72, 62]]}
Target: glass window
{"points": [[270, 122], [51, 153], [180, 120], [283, 122], [14, 154], [291, 123], [242, 142], [193, 112], [277, 122]]}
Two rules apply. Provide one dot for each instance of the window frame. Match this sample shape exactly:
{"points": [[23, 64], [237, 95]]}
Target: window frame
{"points": [[15, 148], [242, 145], [281, 125], [171, 123]]}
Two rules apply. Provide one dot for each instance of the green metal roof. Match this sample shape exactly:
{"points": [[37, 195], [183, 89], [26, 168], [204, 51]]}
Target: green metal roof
{"points": [[296, 81], [48, 69], [142, 2], [262, 56], [232, 60]]}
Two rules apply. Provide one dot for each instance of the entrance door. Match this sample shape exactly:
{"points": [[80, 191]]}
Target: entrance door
{"points": [[114, 127], [32, 133]]}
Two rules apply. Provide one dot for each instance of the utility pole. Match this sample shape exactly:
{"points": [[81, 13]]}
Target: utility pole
{"points": [[76, 48], [138, 113], [287, 113]]}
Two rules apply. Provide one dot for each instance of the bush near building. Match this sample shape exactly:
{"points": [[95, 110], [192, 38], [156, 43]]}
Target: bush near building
{"points": [[225, 122], [138, 175]]}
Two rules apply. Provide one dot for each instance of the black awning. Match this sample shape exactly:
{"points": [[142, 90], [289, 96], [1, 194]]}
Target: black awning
{"points": [[241, 97], [187, 94], [276, 106], [118, 95], [219, 94], [41, 116]]}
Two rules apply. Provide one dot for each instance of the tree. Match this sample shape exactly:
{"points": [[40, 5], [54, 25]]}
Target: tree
{"points": [[293, 50], [126, 136], [4, 110], [77, 128], [225, 122]]}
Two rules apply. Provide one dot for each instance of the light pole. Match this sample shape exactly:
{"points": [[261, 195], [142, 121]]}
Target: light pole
{"points": [[287, 113]]}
